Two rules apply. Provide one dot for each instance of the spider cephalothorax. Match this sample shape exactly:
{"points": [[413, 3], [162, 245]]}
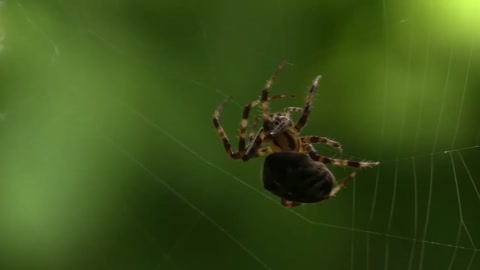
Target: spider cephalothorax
{"points": [[283, 135], [308, 181], [279, 122]]}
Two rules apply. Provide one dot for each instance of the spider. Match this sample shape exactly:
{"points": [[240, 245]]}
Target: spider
{"points": [[293, 170]]}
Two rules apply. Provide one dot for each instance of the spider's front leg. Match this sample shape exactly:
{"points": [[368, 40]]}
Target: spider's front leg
{"points": [[308, 105], [264, 134], [264, 100], [222, 134]]}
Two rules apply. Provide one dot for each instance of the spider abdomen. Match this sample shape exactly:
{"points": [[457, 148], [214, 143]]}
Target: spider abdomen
{"points": [[297, 178]]}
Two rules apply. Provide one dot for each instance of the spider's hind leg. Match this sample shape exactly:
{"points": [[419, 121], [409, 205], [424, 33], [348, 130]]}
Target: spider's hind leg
{"points": [[342, 163], [336, 189]]}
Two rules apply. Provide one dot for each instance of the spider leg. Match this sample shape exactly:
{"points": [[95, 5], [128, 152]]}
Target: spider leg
{"points": [[292, 109], [265, 132], [336, 189], [324, 140], [222, 134], [308, 105], [343, 163], [264, 100], [338, 162]]}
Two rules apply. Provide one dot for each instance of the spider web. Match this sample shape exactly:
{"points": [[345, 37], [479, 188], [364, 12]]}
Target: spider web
{"points": [[110, 160]]}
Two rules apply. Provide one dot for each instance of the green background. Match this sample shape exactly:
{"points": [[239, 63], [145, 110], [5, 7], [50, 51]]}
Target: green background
{"points": [[109, 159]]}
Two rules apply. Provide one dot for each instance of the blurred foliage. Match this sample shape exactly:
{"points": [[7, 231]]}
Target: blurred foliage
{"points": [[109, 159]]}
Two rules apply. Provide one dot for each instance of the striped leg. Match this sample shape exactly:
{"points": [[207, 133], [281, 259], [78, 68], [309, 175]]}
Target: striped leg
{"points": [[336, 189], [338, 162], [308, 105], [265, 133], [264, 100], [221, 132], [292, 109], [324, 140]]}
